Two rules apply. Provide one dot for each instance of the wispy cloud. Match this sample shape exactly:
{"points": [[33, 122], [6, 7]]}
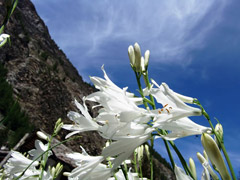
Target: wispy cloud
{"points": [[169, 28]]}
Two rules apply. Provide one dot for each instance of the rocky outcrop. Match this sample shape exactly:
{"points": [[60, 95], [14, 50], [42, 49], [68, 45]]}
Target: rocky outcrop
{"points": [[44, 81]]}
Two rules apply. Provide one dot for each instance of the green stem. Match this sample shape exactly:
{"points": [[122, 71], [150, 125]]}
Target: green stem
{"points": [[135, 162], [181, 158], [151, 157], [138, 77], [146, 79], [169, 154], [205, 114], [140, 169], [45, 158], [124, 171]]}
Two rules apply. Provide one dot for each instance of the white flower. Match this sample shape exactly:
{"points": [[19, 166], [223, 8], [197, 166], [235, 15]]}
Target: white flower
{"points": [[3, 39], [82, 122], [40, 148], [131, 176], [113, 98], [17, 164], [182, 127], [174, 106], [88, 167], [123, 148], [180, 174]]}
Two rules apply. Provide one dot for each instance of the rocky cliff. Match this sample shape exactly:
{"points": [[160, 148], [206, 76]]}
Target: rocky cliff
{"points": [[44, 81]]}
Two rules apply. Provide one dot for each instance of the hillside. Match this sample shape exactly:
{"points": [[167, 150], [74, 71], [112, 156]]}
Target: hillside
{"points": [[44, 81]]}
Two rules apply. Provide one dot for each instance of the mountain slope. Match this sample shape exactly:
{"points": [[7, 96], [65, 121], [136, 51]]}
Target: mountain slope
{"points": [[44, 80]]}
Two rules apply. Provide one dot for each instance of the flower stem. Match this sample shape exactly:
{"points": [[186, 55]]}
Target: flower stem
{"points": [[45, 158], [151, 156], [124, 170], [146, 80]]}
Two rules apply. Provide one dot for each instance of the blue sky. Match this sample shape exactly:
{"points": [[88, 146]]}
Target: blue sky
{"points": [[194, 48]]}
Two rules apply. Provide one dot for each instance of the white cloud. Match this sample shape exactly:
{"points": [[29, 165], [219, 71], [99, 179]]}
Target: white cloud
{"points": [[169, 28]]}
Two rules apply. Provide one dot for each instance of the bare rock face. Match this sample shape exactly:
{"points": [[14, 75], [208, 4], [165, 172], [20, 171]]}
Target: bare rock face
{"points": [[44, 81]]}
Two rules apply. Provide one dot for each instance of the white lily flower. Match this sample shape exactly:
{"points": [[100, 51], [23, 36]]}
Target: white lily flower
{"points": [[40, 148], [82, 122], [17, 164], [88, 167], [180, 174], [174, 106], [181, 128], [123, 148], [111, 97]]}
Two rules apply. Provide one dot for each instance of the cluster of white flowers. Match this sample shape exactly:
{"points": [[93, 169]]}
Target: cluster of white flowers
{"points": [[127, 127], [122, 120], [23, 167]]}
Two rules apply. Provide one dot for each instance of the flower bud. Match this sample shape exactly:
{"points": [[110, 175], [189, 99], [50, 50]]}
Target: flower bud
{"points": [[66, 173], [214, 155], [219, 133], [206, 165], [41, 135], [137, 52], [146, 58], [131, 55], [58, 126], [142, 64], [192, 168], [140, 152], [147, 151], [58, 170], [205, 155]]}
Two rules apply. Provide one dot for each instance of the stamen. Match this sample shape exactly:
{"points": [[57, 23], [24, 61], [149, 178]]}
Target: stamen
{"points": [[165, 105]]}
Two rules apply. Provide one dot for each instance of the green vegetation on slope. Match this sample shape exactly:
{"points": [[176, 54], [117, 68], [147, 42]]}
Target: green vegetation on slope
{"points": [[15, 122]]}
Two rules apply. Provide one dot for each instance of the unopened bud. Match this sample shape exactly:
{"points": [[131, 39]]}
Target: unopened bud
{"points": [[147, 151], [205, 155], [58, 168], [66, 173], [214, 155], [41, 135], [219, 133], [137, 52], [142, 64], [146, 58], [206, 165], [58, 126], [131, 55], [192, 168], [53, 171], [140, 152]]}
